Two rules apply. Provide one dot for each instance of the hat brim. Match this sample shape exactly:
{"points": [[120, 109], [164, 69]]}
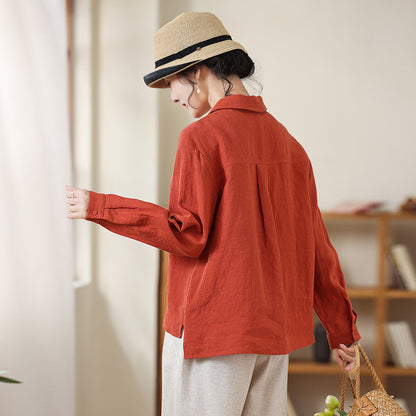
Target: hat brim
{"points": [[156, 78]]}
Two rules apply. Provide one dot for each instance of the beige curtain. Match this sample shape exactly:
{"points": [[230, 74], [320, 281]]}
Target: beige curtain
{"points": [[36, 287]]}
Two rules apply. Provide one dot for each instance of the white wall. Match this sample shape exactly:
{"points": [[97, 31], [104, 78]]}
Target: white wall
{"points": [[36, 258], [116, 313], [171, 118]]}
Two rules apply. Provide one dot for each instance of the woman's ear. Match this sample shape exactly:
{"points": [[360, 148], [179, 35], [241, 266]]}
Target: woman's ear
{"points": [[198, 72]]}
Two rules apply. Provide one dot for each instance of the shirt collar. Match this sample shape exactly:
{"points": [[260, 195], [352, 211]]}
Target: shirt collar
{"points": [[240, 102]]}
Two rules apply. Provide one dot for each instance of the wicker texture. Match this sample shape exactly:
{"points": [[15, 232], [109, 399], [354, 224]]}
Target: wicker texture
{"points": [[376, 402]]}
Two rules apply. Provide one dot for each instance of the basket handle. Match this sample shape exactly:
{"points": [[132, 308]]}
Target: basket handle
{"points": [[356, 390]]}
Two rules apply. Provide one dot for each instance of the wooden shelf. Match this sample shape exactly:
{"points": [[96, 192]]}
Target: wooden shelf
{"points": [[363, 292], [374, 215], [382, 296], [400, 372], [312, 367], [352, 217], [402, 216], [401, 294], [372, 293]]}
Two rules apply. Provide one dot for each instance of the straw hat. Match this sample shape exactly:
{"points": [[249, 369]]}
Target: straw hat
{"points": [[186, 40]]}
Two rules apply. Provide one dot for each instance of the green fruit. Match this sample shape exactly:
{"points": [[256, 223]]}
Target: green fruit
{"points": [[328, 412], [331, 402], [319, 414]]}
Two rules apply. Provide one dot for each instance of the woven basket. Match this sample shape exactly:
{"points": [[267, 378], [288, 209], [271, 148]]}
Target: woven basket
{"points": [[376, 402]]}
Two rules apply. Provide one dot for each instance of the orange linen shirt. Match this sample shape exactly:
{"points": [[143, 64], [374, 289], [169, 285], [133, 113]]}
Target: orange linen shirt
{"points": [[249, 256]]}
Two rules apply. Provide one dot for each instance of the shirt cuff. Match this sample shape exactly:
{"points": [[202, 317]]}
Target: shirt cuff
{"points": [[96, 206]]}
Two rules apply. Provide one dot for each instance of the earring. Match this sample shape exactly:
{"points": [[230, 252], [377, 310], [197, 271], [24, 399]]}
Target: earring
{"points": [[197, 90]]}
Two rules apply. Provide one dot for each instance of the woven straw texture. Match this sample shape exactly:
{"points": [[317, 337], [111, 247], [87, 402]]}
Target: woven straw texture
{"points": [[379, 403], [170, 37], [188, 29], [376, 402]]}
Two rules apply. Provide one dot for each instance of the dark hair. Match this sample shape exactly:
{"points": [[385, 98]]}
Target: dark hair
{"points": [[235, 62]]}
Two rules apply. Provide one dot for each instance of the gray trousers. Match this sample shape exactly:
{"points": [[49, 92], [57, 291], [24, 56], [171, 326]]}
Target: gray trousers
{"points": [[230, 385]]}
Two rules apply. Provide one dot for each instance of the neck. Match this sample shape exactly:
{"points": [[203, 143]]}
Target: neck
{"points": [[218, 87]]}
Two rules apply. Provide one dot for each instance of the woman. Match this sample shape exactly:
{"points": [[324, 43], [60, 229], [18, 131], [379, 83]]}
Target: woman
{"points": [[249, 254]]}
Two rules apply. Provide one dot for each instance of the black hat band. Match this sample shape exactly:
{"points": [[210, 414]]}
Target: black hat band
{"points": [[162, 73], [191, 49]]}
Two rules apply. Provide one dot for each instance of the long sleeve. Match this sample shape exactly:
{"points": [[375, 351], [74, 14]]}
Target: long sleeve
{"points": [[182, 229], [331, 301]]}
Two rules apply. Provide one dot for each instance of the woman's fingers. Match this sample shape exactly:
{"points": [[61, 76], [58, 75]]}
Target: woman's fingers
{"points": [[71, 193], [74, 208], [338, 359], [344, 354], [347, 353], [77, 200], [349, 367], [74, 213]]}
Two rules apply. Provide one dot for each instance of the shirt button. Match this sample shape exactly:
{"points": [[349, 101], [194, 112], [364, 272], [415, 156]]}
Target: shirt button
{"points": [[95, 212]]}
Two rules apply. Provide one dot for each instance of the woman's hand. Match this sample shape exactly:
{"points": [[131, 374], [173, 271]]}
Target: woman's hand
{"points": [[77, 200], [347, 354]]}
